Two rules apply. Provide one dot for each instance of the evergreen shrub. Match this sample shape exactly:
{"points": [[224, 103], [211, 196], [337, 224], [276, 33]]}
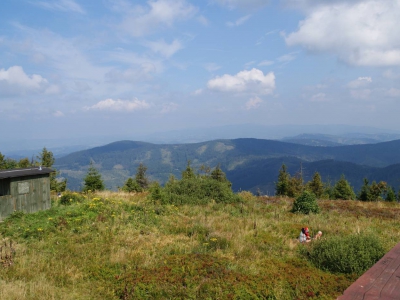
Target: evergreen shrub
{"points": [[306, 203], [353, 254], [198, 190], [195, 189]]}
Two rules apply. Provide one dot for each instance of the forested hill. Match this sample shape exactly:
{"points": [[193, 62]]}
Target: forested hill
{"points": [[117, 161]]}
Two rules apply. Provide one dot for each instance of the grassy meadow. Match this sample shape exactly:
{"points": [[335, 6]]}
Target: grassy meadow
{"points": [[126, 246]]}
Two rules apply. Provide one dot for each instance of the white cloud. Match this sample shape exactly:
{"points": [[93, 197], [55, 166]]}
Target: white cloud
{"points": [[359, 82], [160, 13], [119, 105], [239, 21], [364, 33], [393, 93], [286, 58], [211, 67], [266, 63], [66, 56], [232, 4], [312, 4], [249, 64], [253, 103], [198, 92], [58, 114], [320, 97], [62, 5], [165, 49], [14, 81], [245, 81]]}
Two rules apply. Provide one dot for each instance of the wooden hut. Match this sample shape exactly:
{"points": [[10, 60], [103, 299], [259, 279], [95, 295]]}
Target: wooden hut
{"points": [[26, 190]]}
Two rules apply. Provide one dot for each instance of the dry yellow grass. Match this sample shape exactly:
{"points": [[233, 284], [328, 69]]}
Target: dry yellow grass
{"points": [[67, 264]]}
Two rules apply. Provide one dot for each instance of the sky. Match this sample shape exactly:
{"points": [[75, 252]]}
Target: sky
{"points": [[81, 68]]}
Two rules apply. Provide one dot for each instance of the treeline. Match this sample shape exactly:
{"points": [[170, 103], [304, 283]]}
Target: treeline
{"points": [[193, 187], [44, 159], [293, 186]]}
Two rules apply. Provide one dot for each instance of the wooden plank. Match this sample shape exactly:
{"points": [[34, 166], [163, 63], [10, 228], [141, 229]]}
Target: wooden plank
{"points": [[392, 287], [382, 281]]}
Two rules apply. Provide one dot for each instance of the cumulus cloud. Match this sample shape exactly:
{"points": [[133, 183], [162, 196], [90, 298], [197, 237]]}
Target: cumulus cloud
{"points": [[253, 80], [252, 4], [163, 48], [14, 81], [359, 82], [144, 20], [119, 105], [61, 5], [363, 33], [239, 21], [253, 103]]}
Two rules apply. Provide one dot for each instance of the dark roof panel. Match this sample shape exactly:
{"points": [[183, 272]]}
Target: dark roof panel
{"points": [[24, 172]]}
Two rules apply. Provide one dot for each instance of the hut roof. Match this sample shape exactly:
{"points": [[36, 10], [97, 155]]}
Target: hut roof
{"points": [[24, 172]]}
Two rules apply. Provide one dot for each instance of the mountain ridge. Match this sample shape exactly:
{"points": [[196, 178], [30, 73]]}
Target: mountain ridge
{"points": [[119, 160]]}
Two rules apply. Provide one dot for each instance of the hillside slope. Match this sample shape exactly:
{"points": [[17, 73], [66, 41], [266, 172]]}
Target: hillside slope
{"points": [[117, 161]]}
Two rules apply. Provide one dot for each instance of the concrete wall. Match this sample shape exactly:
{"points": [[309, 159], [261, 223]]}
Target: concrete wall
{"points": [[28, 194]]}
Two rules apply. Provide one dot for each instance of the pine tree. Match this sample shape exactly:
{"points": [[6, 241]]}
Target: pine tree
{"points": [[390, 195], [93, 181], [46, 159], [296, 186], [316, 185], [24, 163], [343, 190], [282, 186], [378, 190], [365, 193], [131, 185], [10, 164], [188, 173], [141, 178], [2, 162], [218, 175]]}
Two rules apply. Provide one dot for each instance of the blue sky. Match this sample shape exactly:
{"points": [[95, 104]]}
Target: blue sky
{"points": [[74, 68]]}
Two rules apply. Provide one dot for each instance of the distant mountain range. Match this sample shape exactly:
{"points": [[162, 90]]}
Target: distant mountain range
{"points": [[333, 135], [327, 140], [250, 164]]}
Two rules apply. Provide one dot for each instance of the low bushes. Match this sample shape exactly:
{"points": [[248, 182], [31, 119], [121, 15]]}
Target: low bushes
{"points": [[195, 189], [350, 254], [70, 197]]}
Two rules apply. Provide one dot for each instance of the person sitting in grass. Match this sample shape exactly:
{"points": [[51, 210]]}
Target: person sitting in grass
{"points": [[318, 235], [304, 235]]}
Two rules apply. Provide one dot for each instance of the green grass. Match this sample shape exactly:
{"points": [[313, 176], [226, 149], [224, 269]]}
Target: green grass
{"points": [[125, 246]]}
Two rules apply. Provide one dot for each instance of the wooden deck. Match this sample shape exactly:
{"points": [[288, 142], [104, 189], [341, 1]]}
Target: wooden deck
{"points": [[382, 281]]}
